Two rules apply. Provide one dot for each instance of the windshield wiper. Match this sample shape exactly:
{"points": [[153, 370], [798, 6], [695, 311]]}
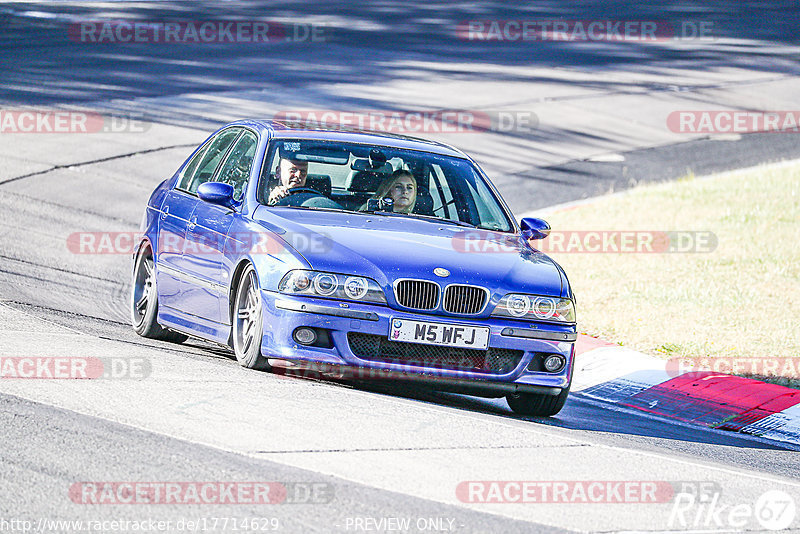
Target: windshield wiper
{"points": [[493, 228], [430, 218], [314, 208]]}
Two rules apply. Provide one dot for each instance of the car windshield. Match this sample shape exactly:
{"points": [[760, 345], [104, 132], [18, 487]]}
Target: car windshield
{"points": [[314, 174]]}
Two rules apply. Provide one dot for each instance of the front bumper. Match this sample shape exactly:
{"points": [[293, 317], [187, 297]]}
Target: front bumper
{"points": [[284, 313]]}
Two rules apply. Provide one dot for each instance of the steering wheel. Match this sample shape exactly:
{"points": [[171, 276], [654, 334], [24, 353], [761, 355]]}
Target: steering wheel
{"points": [[298, 196], [295, 190]]}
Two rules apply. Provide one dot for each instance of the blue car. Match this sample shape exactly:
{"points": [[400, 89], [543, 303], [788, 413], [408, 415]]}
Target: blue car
{"points": [[358, 254]]}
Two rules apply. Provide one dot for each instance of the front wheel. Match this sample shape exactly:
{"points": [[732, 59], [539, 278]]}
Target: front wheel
{"points": [[144, 302], [536, 404], [248, 325]]}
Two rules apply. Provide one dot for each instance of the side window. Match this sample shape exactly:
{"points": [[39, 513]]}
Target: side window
{"points": [[188, 172], [208, 161], [490, 214], [236, 169]]}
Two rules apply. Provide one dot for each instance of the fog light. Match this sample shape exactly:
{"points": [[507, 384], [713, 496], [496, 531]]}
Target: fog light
{"points": [[554, 363], [305, 336]]}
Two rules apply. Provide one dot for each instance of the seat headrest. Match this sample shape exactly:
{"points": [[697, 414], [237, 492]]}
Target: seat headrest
{"points": [[366, 181], [424, 205]]}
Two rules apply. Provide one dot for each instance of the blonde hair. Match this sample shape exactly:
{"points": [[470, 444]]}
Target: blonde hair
{"points": [[388, 183]]}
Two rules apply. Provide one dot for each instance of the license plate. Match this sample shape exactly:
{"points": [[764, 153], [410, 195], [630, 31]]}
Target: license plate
{"points": [[449, 335]]}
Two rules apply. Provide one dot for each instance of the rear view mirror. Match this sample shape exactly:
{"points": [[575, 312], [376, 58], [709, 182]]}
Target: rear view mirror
{"points": [[376, 167], [377, 159], [533, 228]]}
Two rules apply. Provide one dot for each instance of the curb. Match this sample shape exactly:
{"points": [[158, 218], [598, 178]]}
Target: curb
{"points": [[627, 378]]}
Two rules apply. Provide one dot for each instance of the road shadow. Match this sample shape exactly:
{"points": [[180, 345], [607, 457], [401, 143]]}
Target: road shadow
{"points": [[386, 49], [369, 43], [577, 414]]}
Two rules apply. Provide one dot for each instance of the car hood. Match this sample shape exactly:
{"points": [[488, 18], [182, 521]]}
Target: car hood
{"points": [[387, 248]]}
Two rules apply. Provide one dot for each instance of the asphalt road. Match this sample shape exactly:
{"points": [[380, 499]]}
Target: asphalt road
{"points": [[41, 457], [384, 453], [390, 453], [598, 109]]}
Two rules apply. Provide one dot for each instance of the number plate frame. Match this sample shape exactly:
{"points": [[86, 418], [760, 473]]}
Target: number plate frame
{"points": [[439, 334]]}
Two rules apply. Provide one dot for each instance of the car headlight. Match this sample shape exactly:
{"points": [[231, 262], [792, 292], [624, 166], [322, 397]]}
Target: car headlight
{"points": [[325, 284], [318, 284], [537, 308], [356, 287]]}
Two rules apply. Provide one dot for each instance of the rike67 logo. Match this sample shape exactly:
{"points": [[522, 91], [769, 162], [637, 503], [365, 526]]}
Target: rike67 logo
{"points": [[695, 508]]}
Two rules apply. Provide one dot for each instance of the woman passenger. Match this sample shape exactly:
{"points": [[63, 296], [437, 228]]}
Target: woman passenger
{"points": [[401, 187]]}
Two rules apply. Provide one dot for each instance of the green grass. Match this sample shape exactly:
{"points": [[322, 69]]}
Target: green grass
{"points": [[740, 301]]}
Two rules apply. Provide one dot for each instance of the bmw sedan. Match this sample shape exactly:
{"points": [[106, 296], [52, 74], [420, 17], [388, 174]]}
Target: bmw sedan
{"points": [[355, 254]]}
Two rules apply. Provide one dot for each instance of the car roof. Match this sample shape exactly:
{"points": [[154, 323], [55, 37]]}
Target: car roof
{"points": [[301, 130]]}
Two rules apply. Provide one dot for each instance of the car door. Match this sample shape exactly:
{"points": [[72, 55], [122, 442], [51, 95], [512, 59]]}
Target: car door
{"points": [[176, 211], [208, 230]]}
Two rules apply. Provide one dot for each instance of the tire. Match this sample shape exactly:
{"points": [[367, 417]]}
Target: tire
{"points": [[248, 323], [144, 302], [538, 405]]}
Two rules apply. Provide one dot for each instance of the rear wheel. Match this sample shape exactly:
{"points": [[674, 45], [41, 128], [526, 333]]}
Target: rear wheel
{"points": [[144, 302], [537, 404], [248, 326]]}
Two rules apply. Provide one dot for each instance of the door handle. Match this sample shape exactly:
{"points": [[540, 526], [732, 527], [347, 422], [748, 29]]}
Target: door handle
{"points": [[192, 223], [165, 213]]}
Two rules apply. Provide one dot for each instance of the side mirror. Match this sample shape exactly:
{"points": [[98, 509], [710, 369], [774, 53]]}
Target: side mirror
{"points": [[533, 228], [217, 193]]}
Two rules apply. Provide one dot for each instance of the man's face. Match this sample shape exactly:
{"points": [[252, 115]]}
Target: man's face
{"points": [[293, 173]]}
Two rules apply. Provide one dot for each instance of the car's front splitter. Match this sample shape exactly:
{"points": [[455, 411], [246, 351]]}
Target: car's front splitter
{"points": [[283, 314]]}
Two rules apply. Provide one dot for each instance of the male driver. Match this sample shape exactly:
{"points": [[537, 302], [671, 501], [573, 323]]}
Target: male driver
{"points": [[290, 173]]}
